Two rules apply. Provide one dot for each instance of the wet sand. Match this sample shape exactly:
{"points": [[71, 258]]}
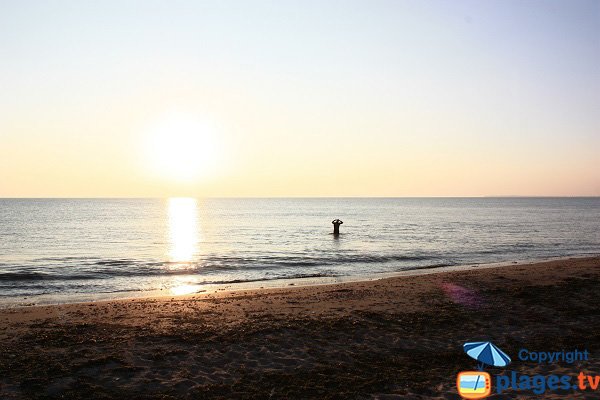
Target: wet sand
{"points": [[398, 337]]}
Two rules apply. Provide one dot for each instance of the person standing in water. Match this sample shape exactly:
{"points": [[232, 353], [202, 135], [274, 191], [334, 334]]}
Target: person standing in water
{"points": [[336, 226]]}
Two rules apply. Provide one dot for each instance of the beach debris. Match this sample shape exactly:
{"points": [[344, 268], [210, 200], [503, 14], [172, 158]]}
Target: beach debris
{"points": [[336, 226], [486, 353]]}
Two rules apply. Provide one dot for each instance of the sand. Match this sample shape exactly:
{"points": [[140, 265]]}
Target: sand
{"points": [[397, 337]]}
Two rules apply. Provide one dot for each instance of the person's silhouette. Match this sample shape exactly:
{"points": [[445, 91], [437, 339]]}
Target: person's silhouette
{"points": [[336, 226]]}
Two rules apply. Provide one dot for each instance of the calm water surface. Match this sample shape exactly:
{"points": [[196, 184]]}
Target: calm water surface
{"points": [[55, 248]]}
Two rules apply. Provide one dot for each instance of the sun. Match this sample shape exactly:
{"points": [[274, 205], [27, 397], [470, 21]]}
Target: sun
{"points": [[182, 147]]}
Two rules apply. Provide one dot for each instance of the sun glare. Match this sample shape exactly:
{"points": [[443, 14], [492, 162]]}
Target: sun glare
{"points": [[182, 147], [183, 229]]}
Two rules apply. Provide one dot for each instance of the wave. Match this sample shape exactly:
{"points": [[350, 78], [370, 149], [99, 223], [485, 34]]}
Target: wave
{"points": [[98, 290], [88, 269]]}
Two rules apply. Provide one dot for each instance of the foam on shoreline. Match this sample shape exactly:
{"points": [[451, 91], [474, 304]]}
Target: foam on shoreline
{"points": [[48, 300]]}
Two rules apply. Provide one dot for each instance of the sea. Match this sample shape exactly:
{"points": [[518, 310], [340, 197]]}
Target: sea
{"points": [[63, 250]]}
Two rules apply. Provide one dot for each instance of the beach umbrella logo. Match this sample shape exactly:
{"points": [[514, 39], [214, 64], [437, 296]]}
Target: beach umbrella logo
{"points": [[478, 384], [486, 353]]}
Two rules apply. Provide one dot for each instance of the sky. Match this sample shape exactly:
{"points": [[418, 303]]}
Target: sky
{"points": [[299, 98]]}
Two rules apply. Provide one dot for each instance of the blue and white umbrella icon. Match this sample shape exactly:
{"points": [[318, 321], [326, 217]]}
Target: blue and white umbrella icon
{"points": [[487, 353]]}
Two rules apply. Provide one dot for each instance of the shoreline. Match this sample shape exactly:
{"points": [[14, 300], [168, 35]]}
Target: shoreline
{"points": [[366, 339], [84, 298]]}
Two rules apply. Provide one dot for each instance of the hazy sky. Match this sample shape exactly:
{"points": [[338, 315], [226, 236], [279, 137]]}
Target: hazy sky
{"points": [[299, 98]]}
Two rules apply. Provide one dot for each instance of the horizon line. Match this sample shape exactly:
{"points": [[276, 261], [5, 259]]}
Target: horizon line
{"points": [[292, 197]]}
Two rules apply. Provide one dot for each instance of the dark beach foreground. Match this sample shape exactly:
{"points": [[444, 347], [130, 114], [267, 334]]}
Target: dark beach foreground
{"points": [[398, 337]]}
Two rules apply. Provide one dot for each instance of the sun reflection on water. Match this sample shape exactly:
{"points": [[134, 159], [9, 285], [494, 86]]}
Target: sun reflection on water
{"points": [[183, 229], [185, 289]]}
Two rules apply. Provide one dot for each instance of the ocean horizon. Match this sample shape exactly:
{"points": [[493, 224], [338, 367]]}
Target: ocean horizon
{"points": [[53, 250]]}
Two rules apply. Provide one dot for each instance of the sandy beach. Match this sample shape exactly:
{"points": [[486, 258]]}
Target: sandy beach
{"points": [[398, 337]]}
